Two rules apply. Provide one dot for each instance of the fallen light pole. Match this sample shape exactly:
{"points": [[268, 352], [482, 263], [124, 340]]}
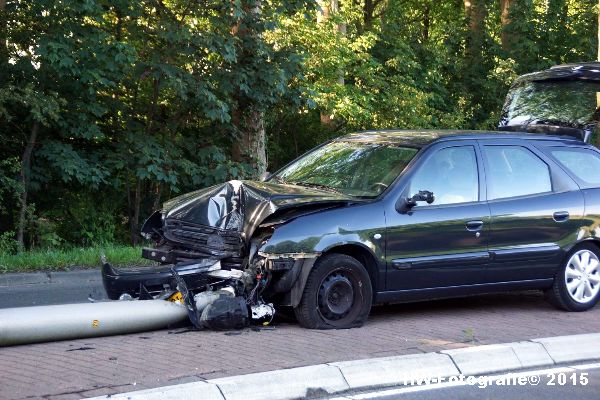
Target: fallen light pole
{"points": [[74, 321]]}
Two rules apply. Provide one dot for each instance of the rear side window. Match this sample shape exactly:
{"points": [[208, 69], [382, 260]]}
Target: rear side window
{"points": [[583, 163], [514, 171]]}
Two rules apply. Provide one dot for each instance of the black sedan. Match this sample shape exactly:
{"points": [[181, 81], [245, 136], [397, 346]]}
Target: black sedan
{"points": [[389, 216]]}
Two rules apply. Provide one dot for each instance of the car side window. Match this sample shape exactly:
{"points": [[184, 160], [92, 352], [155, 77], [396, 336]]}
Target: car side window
{"points": [[451, 174], [514, 171], [583, 163]]}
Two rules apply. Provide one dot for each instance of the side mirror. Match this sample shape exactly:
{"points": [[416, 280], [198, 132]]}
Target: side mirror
{"points": [[264, 176], [423, 195]]}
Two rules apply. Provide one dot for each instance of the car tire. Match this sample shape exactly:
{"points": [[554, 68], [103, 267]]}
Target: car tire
{"points": [[576, 285], [338, 294]]}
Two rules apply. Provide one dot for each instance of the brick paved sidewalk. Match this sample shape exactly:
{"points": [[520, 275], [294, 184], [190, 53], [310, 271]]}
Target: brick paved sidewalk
{"points": [[90, 367]]}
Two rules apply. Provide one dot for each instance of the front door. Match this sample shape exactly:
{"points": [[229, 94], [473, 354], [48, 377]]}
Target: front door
{"points": [[443, 244]]}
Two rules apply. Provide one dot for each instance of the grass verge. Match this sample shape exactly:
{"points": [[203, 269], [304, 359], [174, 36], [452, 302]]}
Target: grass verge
{"points": [[60, 260]]}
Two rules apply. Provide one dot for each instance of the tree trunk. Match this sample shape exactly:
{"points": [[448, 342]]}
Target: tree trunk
{"points": [[475, 12], [368, 12], [25, 176], [249, 147], [426, 23], [326, 9], [505, 36], [3, 41], [134, 223], [157, 195], [247, 117]]}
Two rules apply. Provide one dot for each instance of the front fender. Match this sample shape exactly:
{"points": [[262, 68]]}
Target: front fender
{"points": [[305, 238], [362, 225]]}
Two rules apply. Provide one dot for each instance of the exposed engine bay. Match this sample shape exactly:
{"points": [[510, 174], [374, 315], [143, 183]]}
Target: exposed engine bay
{"points": [[208, 243]]}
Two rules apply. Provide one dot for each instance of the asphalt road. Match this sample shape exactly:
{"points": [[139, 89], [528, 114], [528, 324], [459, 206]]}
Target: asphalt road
{"points": [[22, 290], [552, 384]]}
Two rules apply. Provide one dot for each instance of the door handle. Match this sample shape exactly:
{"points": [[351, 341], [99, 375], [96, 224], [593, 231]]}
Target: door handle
{"points": [[561, 216], [474, 226]]}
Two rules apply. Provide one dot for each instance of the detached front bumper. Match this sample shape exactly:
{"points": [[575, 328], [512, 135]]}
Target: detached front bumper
{"points": [[154, 280]]}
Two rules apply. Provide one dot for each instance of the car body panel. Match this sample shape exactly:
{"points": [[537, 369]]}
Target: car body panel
{"points": [[527, 241], [590, 229], [243, 205], [357, 225], [430, 244], [567, 107], [419, 253]]}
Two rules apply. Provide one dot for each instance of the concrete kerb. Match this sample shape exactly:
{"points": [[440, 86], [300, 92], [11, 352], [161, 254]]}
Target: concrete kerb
{"points": [[18, 279], [391, 371], [340, 377], [295, 383], [36, 278], [572, 348], [185, 391], [499, 357]]}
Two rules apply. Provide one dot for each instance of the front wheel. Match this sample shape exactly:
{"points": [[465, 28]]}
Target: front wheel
{"points": [[577, 284], [338, 294]]}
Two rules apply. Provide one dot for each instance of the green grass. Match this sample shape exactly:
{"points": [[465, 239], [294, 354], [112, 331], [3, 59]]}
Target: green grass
{"points": [[60, 260]]}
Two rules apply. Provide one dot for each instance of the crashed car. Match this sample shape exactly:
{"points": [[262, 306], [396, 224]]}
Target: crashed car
{"points": [[378, 217]]}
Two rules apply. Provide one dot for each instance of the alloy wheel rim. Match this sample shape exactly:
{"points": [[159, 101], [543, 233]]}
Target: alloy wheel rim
{"points": [[582, 276]]}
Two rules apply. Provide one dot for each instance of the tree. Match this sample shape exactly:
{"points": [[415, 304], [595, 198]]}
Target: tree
{"points": [[107, 108], [260, 74], [505, 12]]}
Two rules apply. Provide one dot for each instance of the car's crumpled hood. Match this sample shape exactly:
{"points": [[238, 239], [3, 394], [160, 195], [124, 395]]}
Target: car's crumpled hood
{"points": [[243, 205]]}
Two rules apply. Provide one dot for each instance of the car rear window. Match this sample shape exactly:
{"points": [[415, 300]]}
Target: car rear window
{"points": [[583, 163]]}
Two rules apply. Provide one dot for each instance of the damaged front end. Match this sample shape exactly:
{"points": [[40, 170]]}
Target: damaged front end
{"points": [[207, 242]]}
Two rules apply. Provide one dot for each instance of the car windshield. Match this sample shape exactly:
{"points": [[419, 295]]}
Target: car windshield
{"points": [[353, 168], [563, 103]]}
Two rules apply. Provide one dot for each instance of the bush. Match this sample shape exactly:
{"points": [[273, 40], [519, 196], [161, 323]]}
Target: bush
{"points": [[8, 244]]}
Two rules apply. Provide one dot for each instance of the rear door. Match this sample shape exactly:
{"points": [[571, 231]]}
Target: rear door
{"points": [[536, 211]]}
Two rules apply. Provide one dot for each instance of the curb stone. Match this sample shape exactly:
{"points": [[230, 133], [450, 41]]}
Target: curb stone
{"points": [[388, 371], [18, 279], [283, 384], [185, 391], [340, 377], [37, 278], [572, 348], [499, 357], [89, 275]]}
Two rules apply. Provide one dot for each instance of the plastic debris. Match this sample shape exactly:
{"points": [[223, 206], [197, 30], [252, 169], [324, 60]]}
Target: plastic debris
{"points": [[226, 313], [263, 313]]}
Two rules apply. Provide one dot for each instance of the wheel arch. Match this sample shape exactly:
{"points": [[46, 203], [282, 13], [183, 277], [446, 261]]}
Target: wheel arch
{"points": [[589, 240], [364, 256], [595, 241], [357, 251]]}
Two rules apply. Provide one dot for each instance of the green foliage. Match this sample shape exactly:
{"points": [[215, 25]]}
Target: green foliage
{"points": [[8, 244], [139, 101], [65, 259], [10, 187]]}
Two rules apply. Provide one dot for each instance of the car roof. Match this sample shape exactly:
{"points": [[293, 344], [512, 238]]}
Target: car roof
{"points": [[421, 138], [587, 71]]}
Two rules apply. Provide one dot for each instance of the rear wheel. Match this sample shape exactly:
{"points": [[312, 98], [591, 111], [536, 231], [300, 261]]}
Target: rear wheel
{"points": [[338, 294], [577, 284]]}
